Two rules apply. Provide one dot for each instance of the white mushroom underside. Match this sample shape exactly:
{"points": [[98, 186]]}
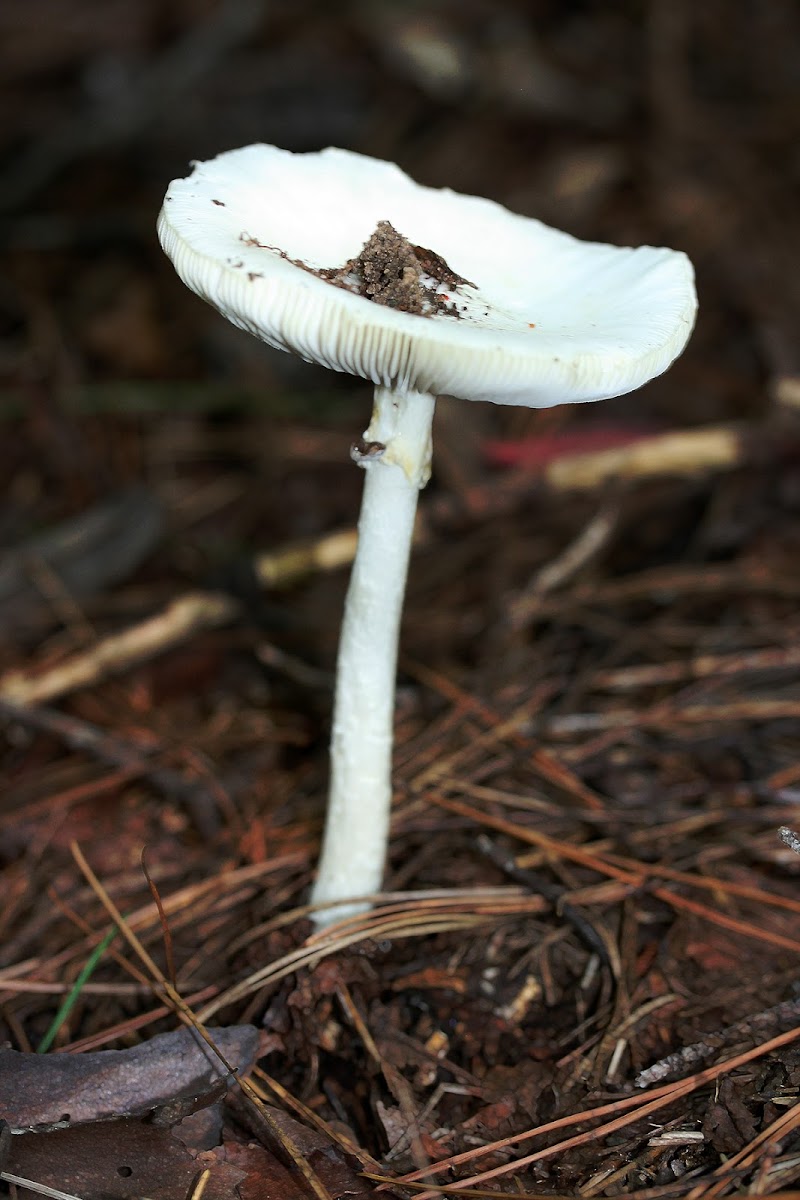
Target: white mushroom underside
{"points": [[551, 320]]}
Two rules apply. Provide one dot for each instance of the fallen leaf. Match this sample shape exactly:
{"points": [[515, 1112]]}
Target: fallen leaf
{"points": [[120, 1160], [47, 1091]]}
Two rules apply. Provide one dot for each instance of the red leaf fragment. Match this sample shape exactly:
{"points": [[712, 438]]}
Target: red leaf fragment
{"points": [[541, 449]]}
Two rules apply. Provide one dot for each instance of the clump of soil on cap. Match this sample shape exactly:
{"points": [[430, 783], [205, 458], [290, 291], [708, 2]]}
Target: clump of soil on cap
{"points": [[392, 271]]}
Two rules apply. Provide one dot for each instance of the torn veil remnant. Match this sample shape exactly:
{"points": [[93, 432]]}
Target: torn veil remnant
{"points": [[548, 320]]}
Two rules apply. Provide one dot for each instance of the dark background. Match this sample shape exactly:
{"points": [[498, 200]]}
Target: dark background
{"points": [[669, 123]]}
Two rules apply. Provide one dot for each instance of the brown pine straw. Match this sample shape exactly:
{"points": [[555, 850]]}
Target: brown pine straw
{"points": [[178, 904], [199, 1185], [164, 989], [643, 1106], [412, 914], [635, 878], [664, 1191], [605, 858], [732, 1169], [169, 953], [313, 1119], [543, 761], [403, 917], [743, 890], [111, 1033]]}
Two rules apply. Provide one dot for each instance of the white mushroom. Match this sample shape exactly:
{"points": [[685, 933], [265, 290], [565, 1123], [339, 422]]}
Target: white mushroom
{"points": [[347, 262]]}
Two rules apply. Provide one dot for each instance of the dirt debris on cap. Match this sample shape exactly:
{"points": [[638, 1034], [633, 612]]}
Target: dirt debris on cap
{"points": [[391, 271]]}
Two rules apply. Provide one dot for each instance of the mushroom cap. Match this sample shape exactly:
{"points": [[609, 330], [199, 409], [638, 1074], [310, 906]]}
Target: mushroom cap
{"points": [[549, 320]]}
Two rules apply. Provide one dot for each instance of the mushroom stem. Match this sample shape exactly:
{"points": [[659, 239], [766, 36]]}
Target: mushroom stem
{"points": [[396, 454]]}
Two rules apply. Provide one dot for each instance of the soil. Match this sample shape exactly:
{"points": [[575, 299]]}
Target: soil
{"points": [[390, 271], [582, 979]]}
